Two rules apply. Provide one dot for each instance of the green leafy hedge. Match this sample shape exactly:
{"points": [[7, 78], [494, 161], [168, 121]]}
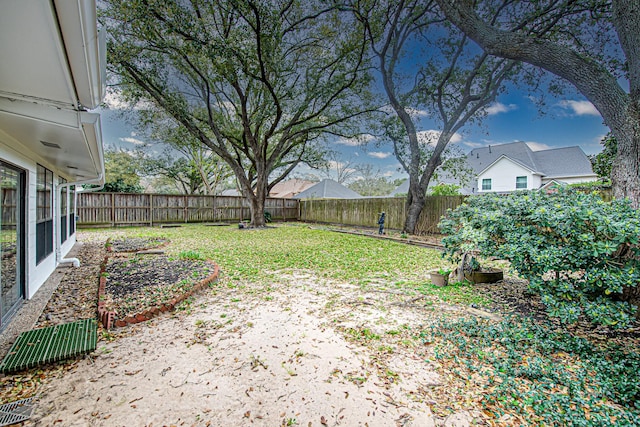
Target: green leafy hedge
{"points": [[544, 376], [577, 251]]}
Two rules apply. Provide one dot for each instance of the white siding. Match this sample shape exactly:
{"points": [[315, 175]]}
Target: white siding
{"points": [[35, 275], [503, 175]]}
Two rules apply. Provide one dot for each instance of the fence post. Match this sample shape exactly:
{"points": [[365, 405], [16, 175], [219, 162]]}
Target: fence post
{"points": [[113, 210], [284, 213], [151, 210], [185, 210]]}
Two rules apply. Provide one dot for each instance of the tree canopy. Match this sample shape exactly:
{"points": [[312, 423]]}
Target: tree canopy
{"points": [[258, 83], [593, 45], [452, 82], [122, 172]]}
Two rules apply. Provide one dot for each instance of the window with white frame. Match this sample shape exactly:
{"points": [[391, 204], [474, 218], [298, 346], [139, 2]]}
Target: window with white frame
{"points": [[521, 182], [44, 213], [486, 184], [63, 209]]}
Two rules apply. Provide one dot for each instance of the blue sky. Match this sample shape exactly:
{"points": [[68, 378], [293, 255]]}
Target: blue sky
{"points": [[566, 121]]}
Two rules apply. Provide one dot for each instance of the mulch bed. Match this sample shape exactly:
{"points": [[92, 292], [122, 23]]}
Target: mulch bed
{"points": [[135, 244], [143, 281]]}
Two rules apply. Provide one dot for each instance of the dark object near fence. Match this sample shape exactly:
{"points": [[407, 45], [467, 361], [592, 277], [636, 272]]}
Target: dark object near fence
{"points": [[381, 224]]}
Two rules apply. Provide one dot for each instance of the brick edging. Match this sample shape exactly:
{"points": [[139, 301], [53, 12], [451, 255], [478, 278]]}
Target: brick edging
{"points": [[108, 318]]}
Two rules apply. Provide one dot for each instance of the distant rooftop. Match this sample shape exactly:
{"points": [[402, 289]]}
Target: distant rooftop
{"points": [[328, 189]]}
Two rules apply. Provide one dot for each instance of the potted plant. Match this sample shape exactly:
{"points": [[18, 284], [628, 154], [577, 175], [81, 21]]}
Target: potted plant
{"points": [[464, 242], [475, 273], [440, 277]]}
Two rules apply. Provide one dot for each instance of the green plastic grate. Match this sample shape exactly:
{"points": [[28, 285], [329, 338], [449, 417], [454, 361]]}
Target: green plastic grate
{"points": [[52, 344]]}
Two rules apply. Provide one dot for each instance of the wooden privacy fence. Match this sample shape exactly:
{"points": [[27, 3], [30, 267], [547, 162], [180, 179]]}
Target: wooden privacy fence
{"points": [[137, 209], [365, 212]]}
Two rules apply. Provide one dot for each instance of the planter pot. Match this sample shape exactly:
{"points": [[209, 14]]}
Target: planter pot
{"points": [[439, 279], [489, 276]]}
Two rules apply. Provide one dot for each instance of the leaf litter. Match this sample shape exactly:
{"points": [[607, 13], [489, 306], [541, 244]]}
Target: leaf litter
{"points": [[356, 363]]}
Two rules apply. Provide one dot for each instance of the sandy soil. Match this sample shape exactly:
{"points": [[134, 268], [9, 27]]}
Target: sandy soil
{"points": [[295, 353]]}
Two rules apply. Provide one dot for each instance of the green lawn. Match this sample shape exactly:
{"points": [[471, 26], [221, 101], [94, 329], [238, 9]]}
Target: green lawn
{"points": [[259, 255], [532, 372]]}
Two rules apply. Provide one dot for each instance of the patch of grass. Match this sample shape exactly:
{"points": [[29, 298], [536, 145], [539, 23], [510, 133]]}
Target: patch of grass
{"points": [[541, 375], [258, 255], [463, 293], [191, 255], [363, 334]]}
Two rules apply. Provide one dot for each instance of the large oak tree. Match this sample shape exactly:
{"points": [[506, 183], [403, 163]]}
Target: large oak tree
{"points": [[257, 82], [594, 45], [429, 66]]}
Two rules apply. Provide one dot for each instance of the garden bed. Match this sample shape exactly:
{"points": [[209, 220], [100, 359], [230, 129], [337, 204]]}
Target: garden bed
{"points": [[135, 288]]}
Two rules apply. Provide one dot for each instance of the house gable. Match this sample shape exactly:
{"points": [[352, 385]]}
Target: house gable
{"points": [[502, 176]]}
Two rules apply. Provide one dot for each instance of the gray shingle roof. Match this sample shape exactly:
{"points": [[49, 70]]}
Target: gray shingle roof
{"points": [[563, 162], [480, 158], [328, 189], [554, 163]]}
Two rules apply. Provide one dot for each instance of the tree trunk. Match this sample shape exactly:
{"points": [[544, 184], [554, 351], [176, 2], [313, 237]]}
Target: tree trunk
{"points": [[256, 198], [625, 174], [619, 109], [257, 212], [415, 204]]}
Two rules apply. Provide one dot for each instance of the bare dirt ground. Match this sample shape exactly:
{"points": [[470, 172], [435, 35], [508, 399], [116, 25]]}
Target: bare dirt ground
{"points": [[304, 351]]}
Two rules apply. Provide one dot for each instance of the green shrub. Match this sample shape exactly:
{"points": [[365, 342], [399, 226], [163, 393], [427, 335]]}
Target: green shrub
{"points": [[577, 251], [445, 190], [546, 377]]}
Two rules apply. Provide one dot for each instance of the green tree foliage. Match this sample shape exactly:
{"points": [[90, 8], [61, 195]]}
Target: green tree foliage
{"points": [[453, 84], [603, 161], [445, 190], [580, 253], [259, 83], [122, 172], [591, 44], [371, 183], [187, 166]]}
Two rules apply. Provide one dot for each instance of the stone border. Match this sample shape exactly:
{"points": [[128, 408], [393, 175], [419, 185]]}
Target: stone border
{"points": [[108, 318]]}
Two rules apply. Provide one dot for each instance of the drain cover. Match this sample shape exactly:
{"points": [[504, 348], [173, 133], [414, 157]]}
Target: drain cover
{"points": [[15, 412], [52, 344]]}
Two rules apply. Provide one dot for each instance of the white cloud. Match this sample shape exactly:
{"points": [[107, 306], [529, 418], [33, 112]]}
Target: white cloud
{"points": [[471, 144], [413, 112], [114, 101], [431, 136], [499, 107], [379, 154], [579, 108], [132, 140], [356, 141], [388, 174], [538, 146]]}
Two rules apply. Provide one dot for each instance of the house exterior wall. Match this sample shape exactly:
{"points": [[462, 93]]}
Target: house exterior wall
{"points": [[503, 175], [35, 273]]}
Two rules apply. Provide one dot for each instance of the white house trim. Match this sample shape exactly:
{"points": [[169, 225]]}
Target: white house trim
{"points": [[53, 68], [503, 173]]}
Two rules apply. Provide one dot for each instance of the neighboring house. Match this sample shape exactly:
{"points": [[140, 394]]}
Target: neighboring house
{"points": [[509, 167], [53, 70], [290, 188], [230, 192], [328, 189]]}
